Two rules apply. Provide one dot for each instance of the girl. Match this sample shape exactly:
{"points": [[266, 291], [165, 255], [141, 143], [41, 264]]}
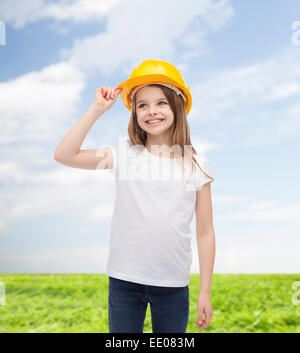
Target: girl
{"points": [[150, 245]]}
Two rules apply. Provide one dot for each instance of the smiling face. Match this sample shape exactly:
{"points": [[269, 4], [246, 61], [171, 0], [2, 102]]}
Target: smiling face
{"points": [[151, 103]]}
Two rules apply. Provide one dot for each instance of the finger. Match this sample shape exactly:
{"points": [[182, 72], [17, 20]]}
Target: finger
{"points": [[115, 91], [202, 325], [208, 315], [200, 321], [108, 96], [111, 93], [115, 95], [118, 90], [205, 325], [103, 91], [200, 316]]}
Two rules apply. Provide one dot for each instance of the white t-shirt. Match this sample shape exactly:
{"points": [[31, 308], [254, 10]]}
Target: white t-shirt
{"points": [[150, 240]]}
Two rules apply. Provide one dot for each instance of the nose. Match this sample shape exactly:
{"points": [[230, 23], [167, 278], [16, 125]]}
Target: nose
{"points": [[152, 110]]}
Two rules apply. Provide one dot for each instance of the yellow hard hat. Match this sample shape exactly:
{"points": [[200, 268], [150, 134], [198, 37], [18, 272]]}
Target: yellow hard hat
{"points": [[155, 71]]}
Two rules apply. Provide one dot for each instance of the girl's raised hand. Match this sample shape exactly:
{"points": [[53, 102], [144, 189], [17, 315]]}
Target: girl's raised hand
{"points": [[105, 97]]}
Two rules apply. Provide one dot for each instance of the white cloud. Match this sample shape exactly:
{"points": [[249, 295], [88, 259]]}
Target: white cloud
{"points": [[79, 10], [84, 259], [38, 193], [229, 90], [202, 147], [20, 13], [219, 199], [265, 212], [284, 90], [137, 30], [240, 101], [239, 258], [289, 125], [34, 105]]}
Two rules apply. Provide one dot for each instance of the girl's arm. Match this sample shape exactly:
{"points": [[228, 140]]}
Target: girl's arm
{"points": [[205, 236], [68, 150], [206, 251]]}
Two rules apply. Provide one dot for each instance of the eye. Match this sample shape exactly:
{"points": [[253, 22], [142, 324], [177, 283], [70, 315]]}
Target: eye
{"points": [[145, 103]]}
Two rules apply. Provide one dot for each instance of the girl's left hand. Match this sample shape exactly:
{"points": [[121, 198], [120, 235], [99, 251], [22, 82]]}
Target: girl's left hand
{"points": [[204, 307]]}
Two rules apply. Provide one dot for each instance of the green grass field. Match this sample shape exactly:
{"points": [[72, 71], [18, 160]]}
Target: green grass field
{"points": [[79, 303]]}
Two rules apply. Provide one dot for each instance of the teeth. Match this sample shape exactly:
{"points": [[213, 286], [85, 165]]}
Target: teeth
{"points": [[154, 121]]}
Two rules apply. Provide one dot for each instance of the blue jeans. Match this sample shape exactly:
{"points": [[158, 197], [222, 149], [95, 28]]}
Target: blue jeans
{"points": [[128, 301]]}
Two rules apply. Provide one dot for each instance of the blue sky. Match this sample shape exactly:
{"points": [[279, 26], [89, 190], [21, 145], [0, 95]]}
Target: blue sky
{"points": [[242, 67]]}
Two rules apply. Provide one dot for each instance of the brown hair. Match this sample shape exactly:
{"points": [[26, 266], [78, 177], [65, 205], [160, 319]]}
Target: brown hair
{"points": [[180, 131]]}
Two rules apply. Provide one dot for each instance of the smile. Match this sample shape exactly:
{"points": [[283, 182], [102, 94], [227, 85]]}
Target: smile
{"points": [[154, 121]]}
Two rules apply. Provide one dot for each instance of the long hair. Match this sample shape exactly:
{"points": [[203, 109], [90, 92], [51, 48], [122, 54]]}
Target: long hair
{"points": [[179, 133]]}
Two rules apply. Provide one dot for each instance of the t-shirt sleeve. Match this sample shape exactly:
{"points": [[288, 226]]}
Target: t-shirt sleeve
{"points": [[117, 150], [203, 175], [114, 150]]}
